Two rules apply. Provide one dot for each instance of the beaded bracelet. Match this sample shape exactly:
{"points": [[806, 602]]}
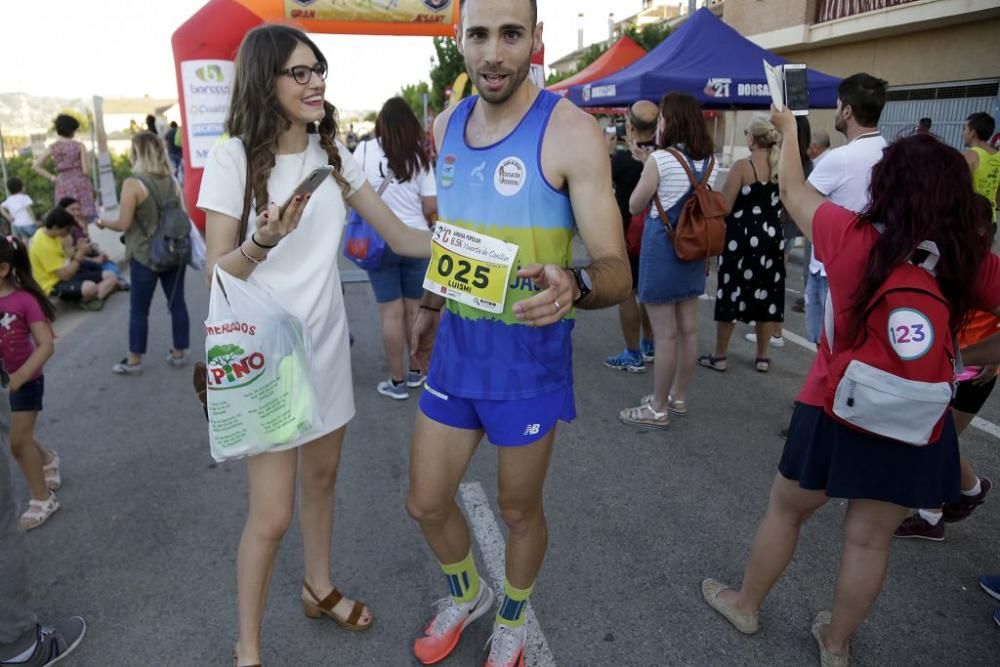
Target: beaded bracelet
{"points": [[249, 258], [257, 243]]}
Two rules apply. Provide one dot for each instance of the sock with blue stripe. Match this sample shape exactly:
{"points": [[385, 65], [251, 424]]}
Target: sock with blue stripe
{"points": [[515, 601], [463, 580]]}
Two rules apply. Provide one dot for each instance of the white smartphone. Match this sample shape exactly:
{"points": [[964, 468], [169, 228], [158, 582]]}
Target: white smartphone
{"points": [[796, 89], [308, 185]]}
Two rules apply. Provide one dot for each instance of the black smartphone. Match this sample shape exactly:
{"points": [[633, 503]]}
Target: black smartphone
{"points": [[620, 128], [308, 185], [796, 89]]}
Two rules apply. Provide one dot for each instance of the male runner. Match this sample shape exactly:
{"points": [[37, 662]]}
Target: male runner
{"points": [[516, 165]]}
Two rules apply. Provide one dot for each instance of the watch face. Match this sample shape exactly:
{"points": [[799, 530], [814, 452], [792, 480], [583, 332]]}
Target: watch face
{"points": [[586, 280]]}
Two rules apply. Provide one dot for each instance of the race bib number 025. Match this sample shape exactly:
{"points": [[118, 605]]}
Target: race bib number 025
{"points": [[470, 268]]}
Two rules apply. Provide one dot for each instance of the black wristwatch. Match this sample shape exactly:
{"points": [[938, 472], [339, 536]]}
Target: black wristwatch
{"points": [[583, 283]]}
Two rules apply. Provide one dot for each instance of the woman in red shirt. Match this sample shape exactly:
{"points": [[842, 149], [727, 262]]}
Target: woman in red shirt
{"points": [[920, 190]]}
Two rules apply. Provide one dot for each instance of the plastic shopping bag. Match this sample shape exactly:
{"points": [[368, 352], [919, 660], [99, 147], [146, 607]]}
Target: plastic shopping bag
{"points": [[261, 396], [198, 250]]}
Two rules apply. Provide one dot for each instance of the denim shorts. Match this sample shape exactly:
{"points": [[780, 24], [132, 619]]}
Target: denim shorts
{"points": [[512, 423], [29, 397], [398, 277]]}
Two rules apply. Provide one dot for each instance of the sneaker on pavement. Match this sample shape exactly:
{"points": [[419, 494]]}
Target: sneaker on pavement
{"points": [[648, 350], [506, 646], [626, 361], [442, 634], [415, 379], [776, 341], [918, 527], [963, 508], [991, 585], [393, 390], [123, 367], [177, 362], [53, 478], [54, 642]]}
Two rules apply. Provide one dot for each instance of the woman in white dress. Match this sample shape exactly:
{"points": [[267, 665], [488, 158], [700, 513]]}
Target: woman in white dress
{"points": [[278, 111]]}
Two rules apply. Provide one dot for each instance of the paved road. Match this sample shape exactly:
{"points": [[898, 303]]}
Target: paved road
{"points": [[145, 544]]}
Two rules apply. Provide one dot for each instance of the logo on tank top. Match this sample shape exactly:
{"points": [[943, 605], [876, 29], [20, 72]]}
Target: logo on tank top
{"points": [[510, 176], [448, 171]]}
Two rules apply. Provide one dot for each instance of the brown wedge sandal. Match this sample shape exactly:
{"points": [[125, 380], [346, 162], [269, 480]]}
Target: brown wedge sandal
{"points": [[316, 608]]}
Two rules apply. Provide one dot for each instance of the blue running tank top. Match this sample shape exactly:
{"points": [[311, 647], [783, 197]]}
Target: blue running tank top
{"points": [[499, 190]]}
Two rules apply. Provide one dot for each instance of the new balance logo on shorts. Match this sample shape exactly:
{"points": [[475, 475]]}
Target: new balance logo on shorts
{"points": [[532, 429]]}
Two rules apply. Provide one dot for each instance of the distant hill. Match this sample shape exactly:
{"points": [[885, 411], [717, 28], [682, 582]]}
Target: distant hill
{"points": [[22, 114]]}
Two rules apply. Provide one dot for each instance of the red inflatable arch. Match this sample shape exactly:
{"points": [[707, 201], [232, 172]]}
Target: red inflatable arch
{"points": [[205, 47]]}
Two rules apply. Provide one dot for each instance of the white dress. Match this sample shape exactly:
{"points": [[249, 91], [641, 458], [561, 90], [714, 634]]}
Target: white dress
{"points": [[301, 273]]}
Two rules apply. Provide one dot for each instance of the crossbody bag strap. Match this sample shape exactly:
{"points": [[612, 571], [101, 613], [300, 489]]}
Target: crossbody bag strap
{"points": [[247, 196]]}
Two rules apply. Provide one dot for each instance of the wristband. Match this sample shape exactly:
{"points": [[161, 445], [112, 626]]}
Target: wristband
{"points": [[433, 310], [248, 258], [253, 238]]}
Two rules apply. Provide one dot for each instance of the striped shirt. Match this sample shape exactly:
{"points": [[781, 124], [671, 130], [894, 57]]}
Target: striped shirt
{"points": [[674, 182]]}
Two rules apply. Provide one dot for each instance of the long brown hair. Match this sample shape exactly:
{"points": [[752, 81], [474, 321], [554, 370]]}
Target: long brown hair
{"points": [[402, 139], [15, 253], [255, 115], [683, 123]]}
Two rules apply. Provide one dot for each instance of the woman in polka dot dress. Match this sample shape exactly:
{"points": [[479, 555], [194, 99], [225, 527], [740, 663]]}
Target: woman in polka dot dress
{"points": [[751, 285]]}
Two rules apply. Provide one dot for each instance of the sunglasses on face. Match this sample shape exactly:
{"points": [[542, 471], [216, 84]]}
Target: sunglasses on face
{"points": [[303, 74]]}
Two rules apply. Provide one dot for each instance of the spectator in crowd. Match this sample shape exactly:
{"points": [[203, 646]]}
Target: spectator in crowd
{"points": [[19, 206], [983, 159], [151, 124], [752, 266], [138, 217], [923, 126], [23, 641], [920, 191], [81, 232], [26, 343], [72, 162], [74, 278], [668, 286], [175, 150], [397, 153], [626, 169]]}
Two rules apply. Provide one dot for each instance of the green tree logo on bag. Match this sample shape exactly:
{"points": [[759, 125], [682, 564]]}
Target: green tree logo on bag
{"points": [[229, 367]]}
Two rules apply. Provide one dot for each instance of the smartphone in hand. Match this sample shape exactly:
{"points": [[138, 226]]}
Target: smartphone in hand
{"points": [[796, 89], [308, 185]]}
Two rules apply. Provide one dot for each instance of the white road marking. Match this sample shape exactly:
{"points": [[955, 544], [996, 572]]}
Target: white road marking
{"points": [[491, 544], [983, 425]]}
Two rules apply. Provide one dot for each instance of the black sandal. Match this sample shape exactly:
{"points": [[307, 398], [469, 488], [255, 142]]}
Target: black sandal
{"points": [[708, 361], [762, 364]]}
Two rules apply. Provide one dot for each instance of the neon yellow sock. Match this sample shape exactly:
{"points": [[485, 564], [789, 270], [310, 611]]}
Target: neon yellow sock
{"points": [[515, 601], [463, 580]]}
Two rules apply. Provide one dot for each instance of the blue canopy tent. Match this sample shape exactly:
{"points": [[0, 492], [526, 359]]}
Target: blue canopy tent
{"points": [[707, 59]]}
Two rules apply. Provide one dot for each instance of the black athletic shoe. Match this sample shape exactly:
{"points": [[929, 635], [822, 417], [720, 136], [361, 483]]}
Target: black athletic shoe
{"points": [[54, 642]]}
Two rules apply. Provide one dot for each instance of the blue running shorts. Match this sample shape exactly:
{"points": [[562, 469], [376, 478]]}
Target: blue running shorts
{"points": [[510, 423]]}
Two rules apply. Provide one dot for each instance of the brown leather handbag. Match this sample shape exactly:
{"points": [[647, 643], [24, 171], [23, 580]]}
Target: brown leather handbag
{"points": [[700, 232]]}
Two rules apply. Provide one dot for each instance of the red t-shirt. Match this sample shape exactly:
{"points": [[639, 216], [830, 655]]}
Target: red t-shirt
{"points": [[844, 247], [18, 311]]}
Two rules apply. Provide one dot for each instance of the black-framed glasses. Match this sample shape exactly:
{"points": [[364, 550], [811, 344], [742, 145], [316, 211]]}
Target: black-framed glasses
{"points": [[302, 73]]}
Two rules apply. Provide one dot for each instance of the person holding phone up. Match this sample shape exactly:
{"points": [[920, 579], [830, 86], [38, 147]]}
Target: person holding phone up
{"points": [[278, 111]]}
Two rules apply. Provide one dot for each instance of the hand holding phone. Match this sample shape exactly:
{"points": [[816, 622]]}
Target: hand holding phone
{"points": [[307, 186]]}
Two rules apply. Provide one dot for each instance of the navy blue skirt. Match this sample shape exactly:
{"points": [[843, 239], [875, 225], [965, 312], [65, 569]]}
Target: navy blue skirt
{"points": [[821, 454]]}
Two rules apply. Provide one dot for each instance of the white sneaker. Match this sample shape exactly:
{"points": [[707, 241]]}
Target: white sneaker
{"points": [[776, 341], [445, 630], [506, 646]]}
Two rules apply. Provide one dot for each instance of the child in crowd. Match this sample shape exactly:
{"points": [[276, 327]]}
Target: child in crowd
{"points": [[26, 343], [18, 205], [81, 231]]}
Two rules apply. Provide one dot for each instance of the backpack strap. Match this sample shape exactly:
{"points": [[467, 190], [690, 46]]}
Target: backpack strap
{"points": [[680, 157]]}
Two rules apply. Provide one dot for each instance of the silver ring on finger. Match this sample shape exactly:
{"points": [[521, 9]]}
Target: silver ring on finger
{"points": [[556, 304]]}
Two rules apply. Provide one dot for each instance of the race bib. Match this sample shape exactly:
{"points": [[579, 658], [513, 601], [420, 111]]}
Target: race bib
{"points": [[470, 268]]}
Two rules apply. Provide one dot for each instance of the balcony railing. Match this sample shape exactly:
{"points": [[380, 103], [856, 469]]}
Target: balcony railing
{"points": [[830, 10]]}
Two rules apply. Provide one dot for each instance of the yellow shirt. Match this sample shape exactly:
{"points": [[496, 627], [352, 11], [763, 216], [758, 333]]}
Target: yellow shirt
{"points": [[47, 256], [986, 177]]}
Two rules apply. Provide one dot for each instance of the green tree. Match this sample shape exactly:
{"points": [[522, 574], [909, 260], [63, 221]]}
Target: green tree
{"points": [[414, 96], [446, 66], [649, 36], [225, 355], [371, 116], [36, 186]]}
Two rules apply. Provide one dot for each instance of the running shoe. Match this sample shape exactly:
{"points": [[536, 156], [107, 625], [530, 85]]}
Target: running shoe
{"points": [[442, 634], [506, 646], [627, 360], [991, 585], [918, 527], [54, 642], [415, 379], [648, 349], [963, 508], [123, 367], [776, 341], [177, 362], [393, 390]]}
